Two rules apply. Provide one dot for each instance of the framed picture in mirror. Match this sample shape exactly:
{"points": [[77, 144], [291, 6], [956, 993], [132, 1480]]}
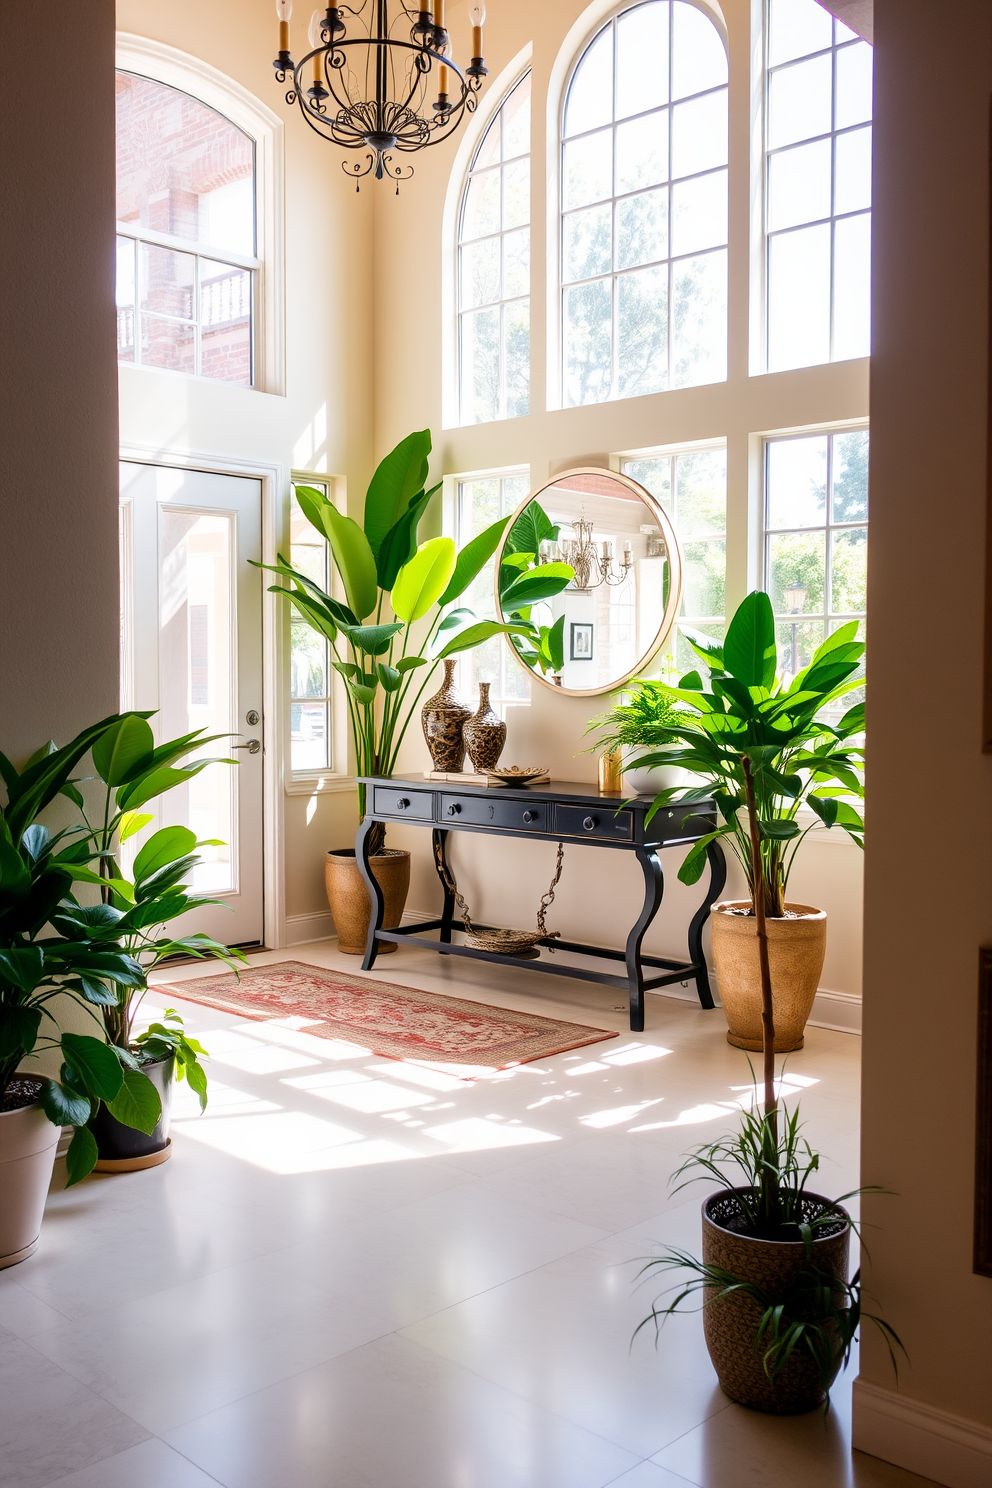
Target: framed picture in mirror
{"points": [[589, 573]]}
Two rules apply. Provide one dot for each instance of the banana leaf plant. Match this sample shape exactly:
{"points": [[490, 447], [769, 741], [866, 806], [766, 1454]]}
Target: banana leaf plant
{"points": [[85, 960], [762, 749], [524, 582], [388, 634]]}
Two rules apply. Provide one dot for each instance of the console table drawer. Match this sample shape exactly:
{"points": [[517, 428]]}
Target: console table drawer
{"points": [[579, 821], [416, 804], [513, 816]]}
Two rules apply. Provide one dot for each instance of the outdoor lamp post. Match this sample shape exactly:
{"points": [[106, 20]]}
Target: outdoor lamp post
{"points": [[795, 603]]}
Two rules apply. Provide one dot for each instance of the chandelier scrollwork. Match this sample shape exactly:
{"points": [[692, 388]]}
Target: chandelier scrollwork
{"points": [[380, 78], [592, 568]]}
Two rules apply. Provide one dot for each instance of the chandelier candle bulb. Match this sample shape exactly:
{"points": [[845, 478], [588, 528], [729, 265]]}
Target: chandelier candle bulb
{"points": [[477, 17], [316, 40], [284, 12]]}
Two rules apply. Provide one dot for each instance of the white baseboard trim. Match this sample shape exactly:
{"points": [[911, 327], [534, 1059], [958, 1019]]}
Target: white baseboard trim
{"points": [[840, 1011], [933, 1443], [306, 927]]}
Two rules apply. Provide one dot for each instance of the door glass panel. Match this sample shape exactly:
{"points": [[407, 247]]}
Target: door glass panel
{"points": [[198, 685]]}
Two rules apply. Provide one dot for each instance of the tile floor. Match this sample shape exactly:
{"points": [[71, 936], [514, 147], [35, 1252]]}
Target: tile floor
{"points": [[357, 1273]]}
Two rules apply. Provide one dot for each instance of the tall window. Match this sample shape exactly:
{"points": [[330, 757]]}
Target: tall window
{"points": [[818, 79], [644, 207], [479, 503], [186, 234], [494, 268], [310, 669], [816, 538], [692, 487]]}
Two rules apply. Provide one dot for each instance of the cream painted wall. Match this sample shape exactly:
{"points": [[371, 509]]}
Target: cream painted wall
{"points": [[408, 357], [928, 885], [324, 421]]}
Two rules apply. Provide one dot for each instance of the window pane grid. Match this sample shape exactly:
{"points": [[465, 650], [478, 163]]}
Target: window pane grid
{"points": [[310, 655], [657, 320], [493, 268], [817, 263]]}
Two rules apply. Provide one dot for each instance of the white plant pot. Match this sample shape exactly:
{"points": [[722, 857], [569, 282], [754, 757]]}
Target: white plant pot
{"points": [[27, 1155], [650, 782]]}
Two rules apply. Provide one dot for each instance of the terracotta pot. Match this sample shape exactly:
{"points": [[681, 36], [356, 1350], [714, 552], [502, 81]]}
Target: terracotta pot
{"points": [[443, 717], [27, 1155], [796, 948], [124, 1150], [730, 1324], [349, 898], [484, 733]]}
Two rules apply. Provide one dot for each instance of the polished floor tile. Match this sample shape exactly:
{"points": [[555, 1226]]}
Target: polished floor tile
{"points": [[369, 1273]]}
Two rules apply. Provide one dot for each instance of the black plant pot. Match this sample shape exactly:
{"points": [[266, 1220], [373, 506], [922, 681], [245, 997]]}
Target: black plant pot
{"points": [[122, 1149]]}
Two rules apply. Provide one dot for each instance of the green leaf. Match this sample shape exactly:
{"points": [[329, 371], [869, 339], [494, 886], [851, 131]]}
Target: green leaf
{"points": [[421, 581], [24, 966], [197, 1077], [350, 550], [137, 1104], [394, 485], [18, 1029], [163, 847], [538, 583], [158, 781], [556, 644], [15, 877], [532, 527], [455, 618], [407, 663], [691, 682], [390, 678], [132, 822], [80, 1160], [64, 1106], [346, 668], [749, 652], [474, 635], [96, 1067], [778, 829], [400, 542], [516, 560], [472, 559], [695, 860], [372, 639], [125, 746], [825, 808], [35, 841], [361, 692], [312, 610]]}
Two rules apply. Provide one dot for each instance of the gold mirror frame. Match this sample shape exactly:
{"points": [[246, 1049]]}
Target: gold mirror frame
{"points": [[674, 589]]}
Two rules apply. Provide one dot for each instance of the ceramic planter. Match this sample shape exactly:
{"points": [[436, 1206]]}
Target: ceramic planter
{"points": [[730, 1324], [122, 1149], [349, 898], [27, 1155], [796, 947], [443, 717], [484, 733], [650, 782]]}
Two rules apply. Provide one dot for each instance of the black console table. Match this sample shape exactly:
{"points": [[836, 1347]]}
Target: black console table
{"points": [[559, 812]]}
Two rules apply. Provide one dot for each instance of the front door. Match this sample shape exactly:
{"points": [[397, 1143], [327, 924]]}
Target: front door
{"points": [[192, 650]]}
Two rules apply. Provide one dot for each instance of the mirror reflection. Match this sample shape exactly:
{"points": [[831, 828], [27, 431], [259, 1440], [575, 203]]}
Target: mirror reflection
{"points": [[590, 573]]}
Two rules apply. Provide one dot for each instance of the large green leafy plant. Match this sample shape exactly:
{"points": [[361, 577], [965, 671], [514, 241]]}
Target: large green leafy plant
{"points": [[525, 581], [638, 719], [388, 634], [85, 960]]}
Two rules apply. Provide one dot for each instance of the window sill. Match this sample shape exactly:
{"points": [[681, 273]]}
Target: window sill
{"points": [[319, 783]]}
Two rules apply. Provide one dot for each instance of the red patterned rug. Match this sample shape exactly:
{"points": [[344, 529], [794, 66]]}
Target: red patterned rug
{"points": [[398, 1022]]}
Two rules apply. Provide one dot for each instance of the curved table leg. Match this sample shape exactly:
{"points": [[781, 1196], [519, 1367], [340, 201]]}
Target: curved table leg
{"points": [[718, 877], [375, 893], [440, 841], [654, 888]]}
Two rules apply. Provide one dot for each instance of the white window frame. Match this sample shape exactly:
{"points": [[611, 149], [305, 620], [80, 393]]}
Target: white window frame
{"points": [[207, 85]]}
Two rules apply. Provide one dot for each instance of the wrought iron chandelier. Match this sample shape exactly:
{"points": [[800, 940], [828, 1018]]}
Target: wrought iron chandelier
{"points": [[368, 81], [592, 568]]}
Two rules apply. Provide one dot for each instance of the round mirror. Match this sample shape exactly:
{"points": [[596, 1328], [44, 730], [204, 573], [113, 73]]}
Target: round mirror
{"points": [[590, 572]]}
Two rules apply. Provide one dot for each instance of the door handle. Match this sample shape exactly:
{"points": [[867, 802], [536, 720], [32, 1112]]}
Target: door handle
{"points": [[252, 746]]}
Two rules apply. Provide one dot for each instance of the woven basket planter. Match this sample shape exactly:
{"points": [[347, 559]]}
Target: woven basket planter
{"points": [[731, 1323]]}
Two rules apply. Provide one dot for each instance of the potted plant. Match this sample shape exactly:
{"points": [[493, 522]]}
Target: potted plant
{"points": [[83, 962], [137, 912], [635, 723], [386, 662], [525, 581], [763, 750]]}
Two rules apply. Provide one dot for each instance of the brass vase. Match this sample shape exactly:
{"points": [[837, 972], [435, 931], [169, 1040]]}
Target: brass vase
{"points": [[484, 733], [442, 717]]}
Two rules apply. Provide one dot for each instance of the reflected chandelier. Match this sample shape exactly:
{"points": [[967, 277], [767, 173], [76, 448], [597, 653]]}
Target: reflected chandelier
{"points": [[591, 568], [367, 82]]}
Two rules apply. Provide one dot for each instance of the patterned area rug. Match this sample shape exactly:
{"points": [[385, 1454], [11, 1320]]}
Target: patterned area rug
{"points": [[398, 1022]]}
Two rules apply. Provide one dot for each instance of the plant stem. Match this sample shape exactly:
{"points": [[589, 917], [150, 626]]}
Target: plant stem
{"points": [[769, 1180]]}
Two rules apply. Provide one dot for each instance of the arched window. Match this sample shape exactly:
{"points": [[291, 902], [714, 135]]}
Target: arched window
{"points": [[644, 207], [818, 77], [186, 249], [494, 268]]}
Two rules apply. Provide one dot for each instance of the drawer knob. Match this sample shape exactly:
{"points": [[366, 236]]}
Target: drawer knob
{"points": [[403, 802], [530, 816], [454, 809], [589, 823]]}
